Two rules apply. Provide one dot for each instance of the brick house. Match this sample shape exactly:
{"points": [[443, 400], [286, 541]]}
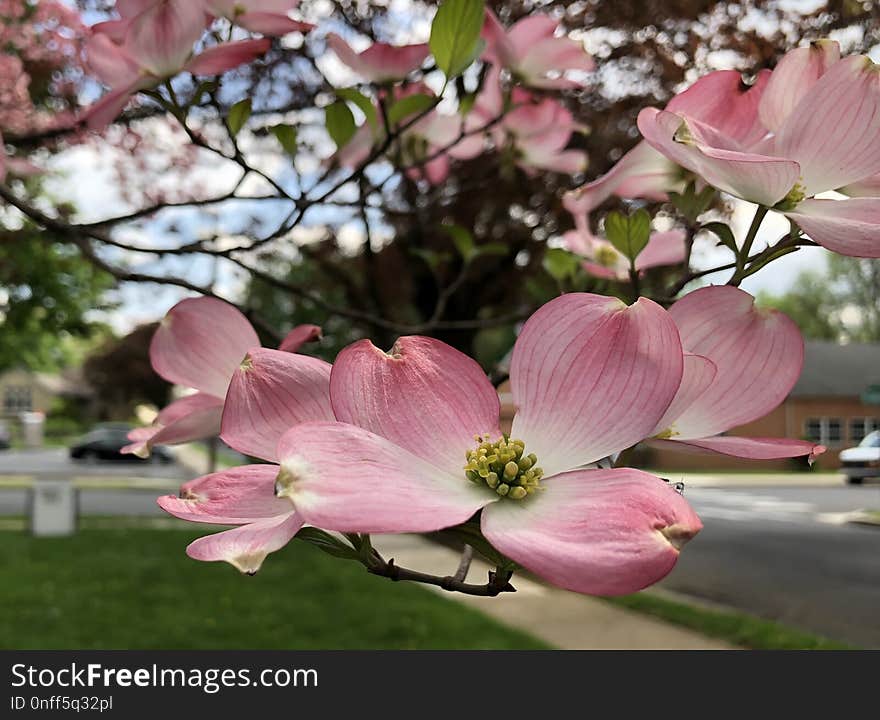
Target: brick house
{"points": [[827, 405]]}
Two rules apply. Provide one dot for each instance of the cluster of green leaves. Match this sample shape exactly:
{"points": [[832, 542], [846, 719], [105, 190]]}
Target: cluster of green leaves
{"points": [[47, 293]]}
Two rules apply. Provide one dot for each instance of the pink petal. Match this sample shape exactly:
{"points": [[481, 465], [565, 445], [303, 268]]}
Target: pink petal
{"points": [[599, 532], [663, 248], [758, 354], [722, 101], [793, 77], [110, 63], [380, 62], [161, 38], [271, 24], [834, 131], [748, 447], [424, 395], [246, 547], [236, 496], [642, 173], [299, 336], [603, 272], [195, 417], [530, 30], [866, 187], [499, 48], [200, 343], [341, 477], [568, 162], [698, 376], [849, 227], [270, 392], [591, 376], [220, 58], [104, 111], [186, 406], [554, 55], [758, 178]]}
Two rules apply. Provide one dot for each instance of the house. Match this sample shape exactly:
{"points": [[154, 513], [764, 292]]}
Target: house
{"points": [[836, 402], [26, 391]]}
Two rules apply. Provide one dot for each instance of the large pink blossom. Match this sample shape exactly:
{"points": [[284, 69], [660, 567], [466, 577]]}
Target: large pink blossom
{"points": [[741, 363], [199, 344], [154, 41], [270, 391], [815, 129], [417, 436], [534, 53]]}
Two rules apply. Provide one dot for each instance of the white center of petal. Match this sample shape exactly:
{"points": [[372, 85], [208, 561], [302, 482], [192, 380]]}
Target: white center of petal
{"points": [[504, 467], [289, 472]]}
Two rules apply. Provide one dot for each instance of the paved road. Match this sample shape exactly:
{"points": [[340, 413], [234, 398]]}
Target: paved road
{"points": [[774, 553], [55, 463], [771, 551]]}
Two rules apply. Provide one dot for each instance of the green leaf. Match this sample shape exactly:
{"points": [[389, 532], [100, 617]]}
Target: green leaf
{"points": [[724, 233], [328, 543], [493, 249], [362, 102], [340, 123], [628, 233], [455, 34], [692, 204], [410, 105], [431, 258], [238, 116], [560, 263], [462, 239], [286, 135]]}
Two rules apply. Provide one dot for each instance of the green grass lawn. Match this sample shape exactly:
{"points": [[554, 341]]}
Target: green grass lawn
{"points": [[136, 589]]}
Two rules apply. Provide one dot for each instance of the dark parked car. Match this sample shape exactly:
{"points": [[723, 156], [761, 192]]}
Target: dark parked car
{"points": [[104, 441], [5, 436]]}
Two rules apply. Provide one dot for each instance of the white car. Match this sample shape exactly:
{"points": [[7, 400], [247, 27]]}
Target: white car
{"points": [[862, 461]]}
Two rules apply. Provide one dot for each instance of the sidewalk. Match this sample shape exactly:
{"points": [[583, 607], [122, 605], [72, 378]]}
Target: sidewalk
{"points": [[753, 479], [563, 619]]}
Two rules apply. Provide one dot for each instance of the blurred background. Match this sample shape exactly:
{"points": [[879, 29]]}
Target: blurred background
{"points": [[788, 556]]}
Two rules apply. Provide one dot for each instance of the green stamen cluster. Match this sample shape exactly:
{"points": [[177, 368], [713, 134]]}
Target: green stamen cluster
{"points": [[795, 196], [504, 467]]}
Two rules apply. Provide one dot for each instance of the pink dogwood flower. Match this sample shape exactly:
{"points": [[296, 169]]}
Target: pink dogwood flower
{"points": [[267, 17], [719, 98], [380, 63], [817, 129], [603, 260], [417, 446], [535, 131], [741, 362], [533, 52], [270, 391], [152, 42], [199, 344]]}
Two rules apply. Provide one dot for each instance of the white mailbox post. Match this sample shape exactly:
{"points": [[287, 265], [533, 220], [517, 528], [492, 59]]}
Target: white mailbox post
{"points": [[53, 508]]}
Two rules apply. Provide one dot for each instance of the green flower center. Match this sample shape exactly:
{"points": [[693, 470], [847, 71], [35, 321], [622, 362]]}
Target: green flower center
{"points": [[504, 467], [795, 196], [606, 256]]}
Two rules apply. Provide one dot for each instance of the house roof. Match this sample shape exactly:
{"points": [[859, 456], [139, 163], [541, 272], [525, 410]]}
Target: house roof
{"points": [[832, 370]]}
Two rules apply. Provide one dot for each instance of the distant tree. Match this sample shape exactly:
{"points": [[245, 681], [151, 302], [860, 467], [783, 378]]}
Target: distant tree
{"points": [[857, 285], [842, 303], [47, 293], [122, 377]]}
